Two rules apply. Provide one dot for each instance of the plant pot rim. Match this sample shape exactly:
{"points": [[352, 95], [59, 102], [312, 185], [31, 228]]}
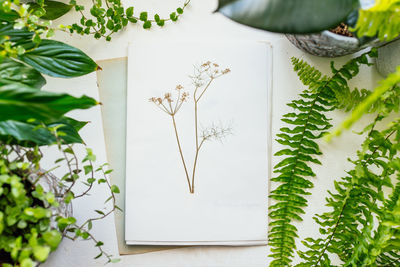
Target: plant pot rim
{"points": [[340, 37]]}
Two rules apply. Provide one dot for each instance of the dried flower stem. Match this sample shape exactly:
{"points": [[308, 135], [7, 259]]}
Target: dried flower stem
{"points": [[180, 152], [212, 72]]}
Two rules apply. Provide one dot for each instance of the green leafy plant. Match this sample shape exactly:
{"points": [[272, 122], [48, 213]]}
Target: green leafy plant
{"points": [[33, 218], [109, 16], [308, 122], [359, 197], [31, 223], [103, 19]]}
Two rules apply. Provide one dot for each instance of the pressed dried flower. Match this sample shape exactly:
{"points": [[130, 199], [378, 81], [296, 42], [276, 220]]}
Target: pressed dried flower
{"points": [[201, 80]]}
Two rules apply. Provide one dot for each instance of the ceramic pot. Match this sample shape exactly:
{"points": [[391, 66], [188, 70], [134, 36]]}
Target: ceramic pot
{"points": [[328, 44], [388, 58]]}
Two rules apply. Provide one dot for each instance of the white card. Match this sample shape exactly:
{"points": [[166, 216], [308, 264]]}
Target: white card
{"points": [[226, 202]]}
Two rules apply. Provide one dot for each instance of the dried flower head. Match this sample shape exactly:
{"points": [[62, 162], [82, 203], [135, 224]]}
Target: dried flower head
{"points": [[179, 87], [184, 96], [206, 64], [153, 99], [225, 71], [167, 96]]}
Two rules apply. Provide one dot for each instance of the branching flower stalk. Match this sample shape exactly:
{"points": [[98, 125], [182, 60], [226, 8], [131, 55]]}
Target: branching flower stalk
{"points": [[202, 80]]}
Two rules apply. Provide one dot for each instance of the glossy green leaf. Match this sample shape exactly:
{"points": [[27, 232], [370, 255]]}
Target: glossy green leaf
{"points": [[12, 71], [25, 104], [22, 133], [9, 16], [58, 59], [288, 16], [53, 9], [15, 35]]}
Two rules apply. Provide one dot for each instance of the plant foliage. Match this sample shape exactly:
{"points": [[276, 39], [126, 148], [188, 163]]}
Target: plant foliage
{"points": [[109, 16], [31, 223], [348, 229], [381, 20], [289, 16], [307, 123]]}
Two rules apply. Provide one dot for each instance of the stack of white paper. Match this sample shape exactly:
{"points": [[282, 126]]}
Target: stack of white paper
{"points": [[226, 201]]}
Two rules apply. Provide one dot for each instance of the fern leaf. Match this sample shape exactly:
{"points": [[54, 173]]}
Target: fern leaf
{"points": [[382, 20], [306, 124], [355, 204], [386, 85]]}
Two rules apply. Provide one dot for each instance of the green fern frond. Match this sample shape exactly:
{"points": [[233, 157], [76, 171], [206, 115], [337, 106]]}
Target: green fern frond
{"points": [[390, 83], [382, 246], [354, 205], [306, 124], [382, 20]]}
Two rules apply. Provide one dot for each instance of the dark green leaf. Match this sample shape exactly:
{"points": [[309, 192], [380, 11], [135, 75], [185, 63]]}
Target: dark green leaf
{"points": [[12, 71], [288, 16], [58, 59], [143, 16], [8, 16], [53, 9], [16, 35], [25, 104], [129, 12], [147, 24]]}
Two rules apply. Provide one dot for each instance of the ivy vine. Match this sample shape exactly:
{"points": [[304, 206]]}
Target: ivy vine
{"points": [[109, 17]]}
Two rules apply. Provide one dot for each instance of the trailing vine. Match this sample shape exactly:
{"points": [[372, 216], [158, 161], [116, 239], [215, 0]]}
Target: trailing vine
{"points": [[309, 123], [109, 17]]}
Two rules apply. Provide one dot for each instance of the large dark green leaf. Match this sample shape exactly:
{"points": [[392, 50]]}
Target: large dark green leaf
{"points": [[15, 35], [27, 134], [12, 71], [288, 16], [8, 16], [58, 59], [24, 104], [53, 9]]}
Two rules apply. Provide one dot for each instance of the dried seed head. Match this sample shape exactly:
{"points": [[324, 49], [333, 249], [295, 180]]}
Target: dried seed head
{"points": [[179, 87], [184, 96], [206, 64], [225, 71], [216, 65]]}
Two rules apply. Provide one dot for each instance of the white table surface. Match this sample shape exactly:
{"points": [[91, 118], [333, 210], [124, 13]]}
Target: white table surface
{"points": [[197, 23]]}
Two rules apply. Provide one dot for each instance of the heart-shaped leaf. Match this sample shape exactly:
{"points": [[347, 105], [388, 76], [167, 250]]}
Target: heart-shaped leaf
{"points": [[24, 104], [288, 16], [58, 59], [12, 71], [53, 9]]}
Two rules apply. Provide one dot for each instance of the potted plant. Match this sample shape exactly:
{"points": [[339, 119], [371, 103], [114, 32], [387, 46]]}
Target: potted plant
{"points": [[316, 27], [35, 206]]}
